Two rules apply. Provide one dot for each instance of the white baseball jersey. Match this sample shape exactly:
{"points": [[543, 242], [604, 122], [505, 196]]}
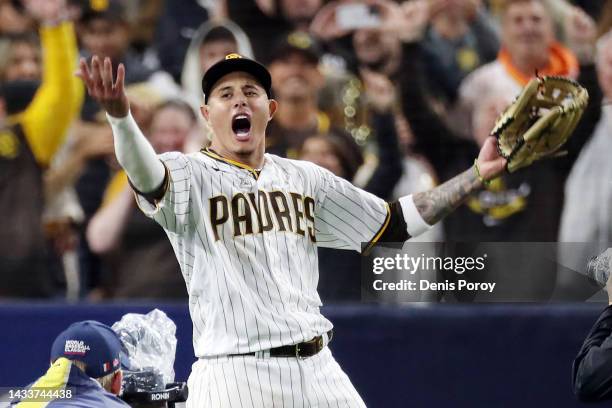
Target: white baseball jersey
{"points": [[246, 243]]}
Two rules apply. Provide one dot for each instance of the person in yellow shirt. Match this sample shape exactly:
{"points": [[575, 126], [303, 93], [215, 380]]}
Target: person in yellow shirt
{"points": [[30, 134]]}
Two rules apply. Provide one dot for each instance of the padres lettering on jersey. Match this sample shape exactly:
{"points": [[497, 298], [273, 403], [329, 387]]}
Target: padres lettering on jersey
{"points": [[256, 213], [247, 240]]}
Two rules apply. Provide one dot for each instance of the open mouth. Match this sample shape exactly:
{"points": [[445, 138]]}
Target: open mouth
{"points": [[241, 125]]}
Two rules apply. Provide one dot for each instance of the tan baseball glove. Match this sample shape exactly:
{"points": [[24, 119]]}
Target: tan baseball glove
{"points": [[539, 121]]}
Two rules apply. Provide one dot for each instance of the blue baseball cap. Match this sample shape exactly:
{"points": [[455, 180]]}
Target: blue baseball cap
{"points": [[91, 342]]}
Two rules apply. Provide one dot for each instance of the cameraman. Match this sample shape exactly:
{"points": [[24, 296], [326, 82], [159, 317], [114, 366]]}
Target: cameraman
{"points": [[85, 368]]}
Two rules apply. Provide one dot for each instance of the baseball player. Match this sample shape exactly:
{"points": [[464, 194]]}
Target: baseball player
{"points": [[245, 227]]}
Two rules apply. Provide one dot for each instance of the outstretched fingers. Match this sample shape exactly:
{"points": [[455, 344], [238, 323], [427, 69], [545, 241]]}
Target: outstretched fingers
{"points": [[96, 76], [84, 74], [119, 85], [108, 92], [107, 77]]}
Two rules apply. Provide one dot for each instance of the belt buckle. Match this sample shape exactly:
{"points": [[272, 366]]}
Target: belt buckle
{"points": [[297, 352]]}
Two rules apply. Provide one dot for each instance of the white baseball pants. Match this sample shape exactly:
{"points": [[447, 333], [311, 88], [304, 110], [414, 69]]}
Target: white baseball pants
{"points": [[268, 382]]}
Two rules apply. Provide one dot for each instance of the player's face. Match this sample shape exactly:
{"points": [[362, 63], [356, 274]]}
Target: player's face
{"points": [[527, 30], [238, 112], [604, 68]]}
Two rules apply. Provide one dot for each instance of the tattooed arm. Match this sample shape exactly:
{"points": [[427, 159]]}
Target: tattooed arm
{"points": [[437, 203], [414, 214]]}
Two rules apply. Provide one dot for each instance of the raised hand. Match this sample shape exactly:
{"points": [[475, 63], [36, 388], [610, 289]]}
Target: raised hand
{"points": [[379, 90], [324, 25], [581, 33], [109, 93], [416, 16], [407, 21], [48, 12]]}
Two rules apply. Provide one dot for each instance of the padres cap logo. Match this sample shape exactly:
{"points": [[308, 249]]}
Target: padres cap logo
{"points": [[231, 63], [98, 5], [300, 40]]}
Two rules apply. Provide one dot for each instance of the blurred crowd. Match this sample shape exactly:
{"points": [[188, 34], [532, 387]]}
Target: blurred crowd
{"points": [[393, 96]]}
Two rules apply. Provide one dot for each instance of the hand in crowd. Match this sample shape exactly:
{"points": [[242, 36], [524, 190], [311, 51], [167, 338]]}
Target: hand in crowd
{"points": [[61, 234], [379, 90], [581, 33], [96, 141], [469, 7], [48, 12], [109, 93], [268, 7], [413, 21], [408, 21], [324, 24]]}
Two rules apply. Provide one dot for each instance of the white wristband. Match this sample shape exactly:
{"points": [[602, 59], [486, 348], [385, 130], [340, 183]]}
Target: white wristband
{"points": [[415, 224]]}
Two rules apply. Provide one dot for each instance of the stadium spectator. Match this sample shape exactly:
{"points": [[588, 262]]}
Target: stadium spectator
{"points": [[31, 135], [85, 368], [63, 214], [265, 21], [106, 32], [588, 189], [528, 47], [605, 20], [139, 258], [176, 28], [144, 16], [516, 207], [14, 18], [460, 38], [296, 83], [210, 44], [20, 58], [379, 49]]}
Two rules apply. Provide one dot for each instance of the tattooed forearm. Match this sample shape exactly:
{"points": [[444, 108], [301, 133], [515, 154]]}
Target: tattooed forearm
{"points": [[437, 203]]}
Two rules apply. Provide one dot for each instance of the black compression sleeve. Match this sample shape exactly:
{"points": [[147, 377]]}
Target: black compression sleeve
{"points": [[397, 230]]}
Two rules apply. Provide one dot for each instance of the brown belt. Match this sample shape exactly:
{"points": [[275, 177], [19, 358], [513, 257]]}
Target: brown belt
{"points": [[301, 350]]}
